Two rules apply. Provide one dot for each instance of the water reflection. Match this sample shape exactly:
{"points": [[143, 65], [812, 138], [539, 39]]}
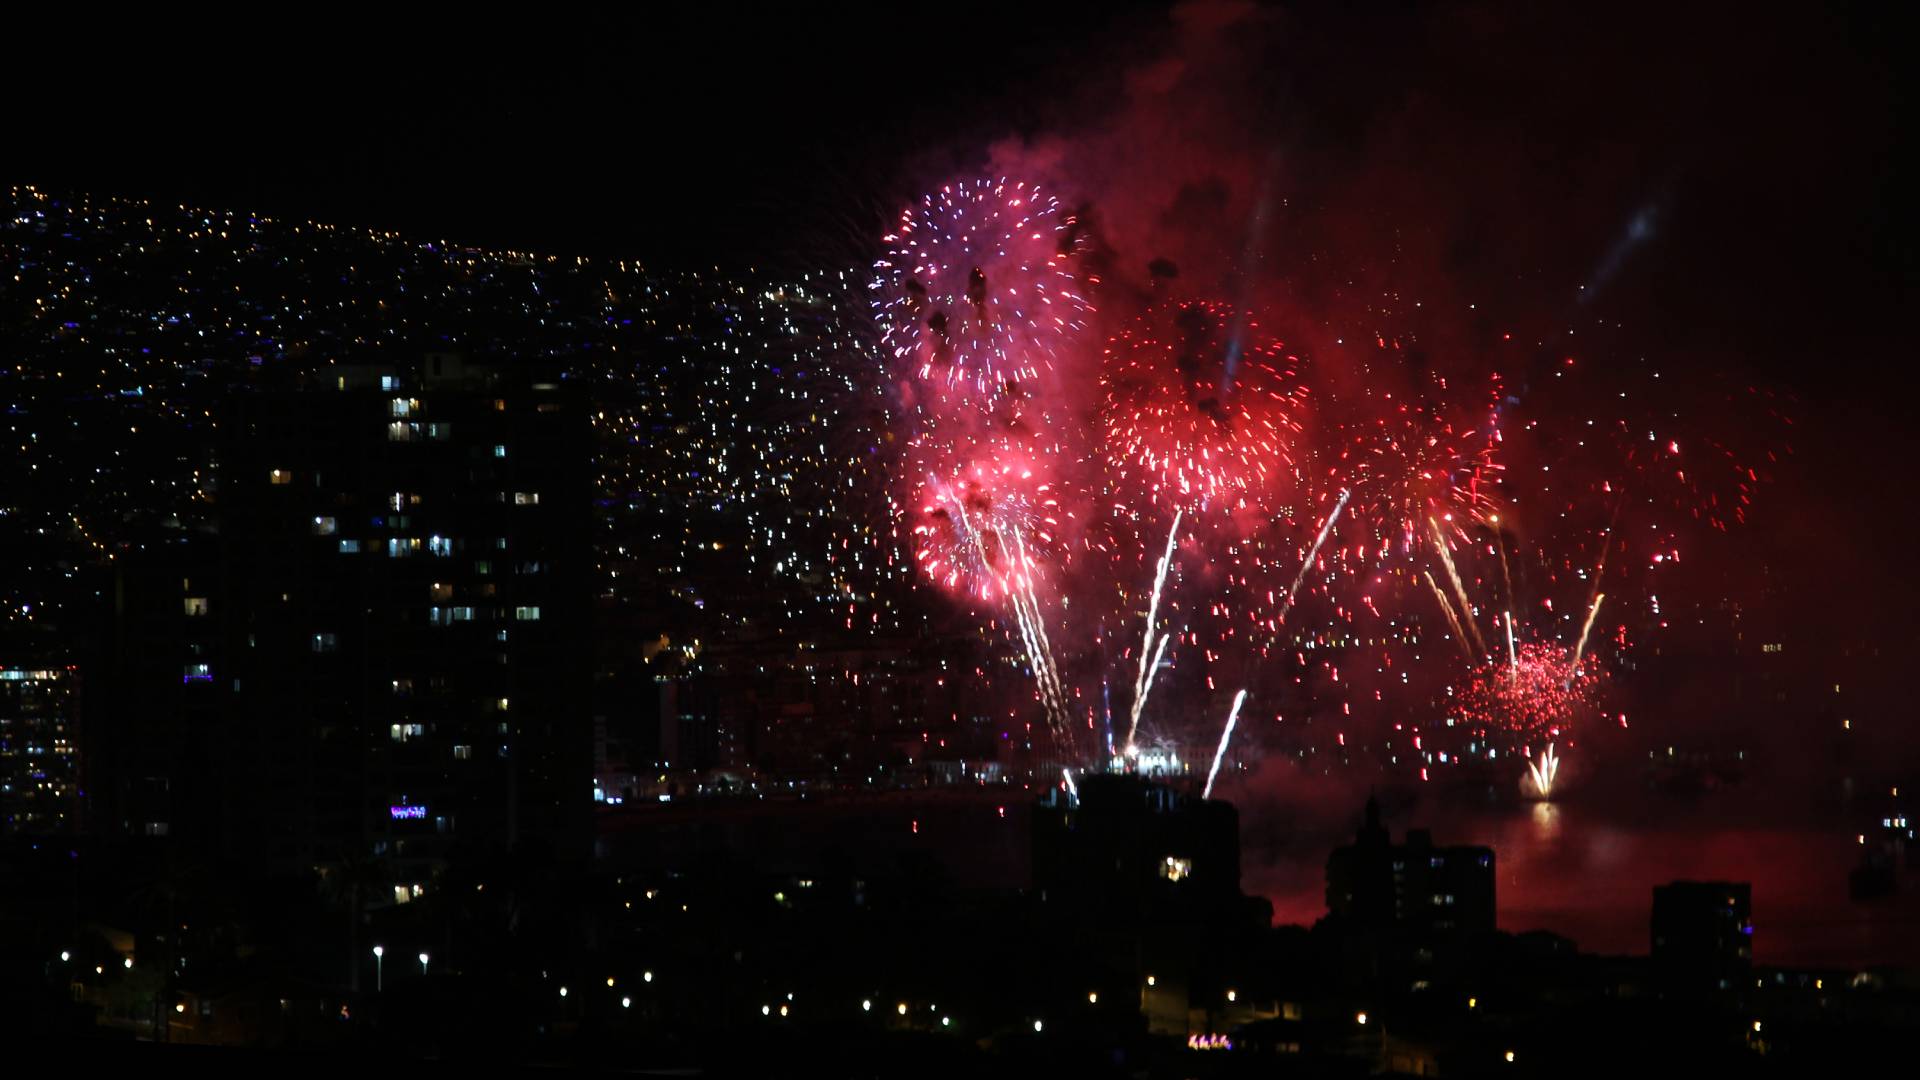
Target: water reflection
{"points": [[1546, 821]]}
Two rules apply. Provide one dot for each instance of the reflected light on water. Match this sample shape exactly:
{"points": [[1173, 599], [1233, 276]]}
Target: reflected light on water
{"points": [[1546, 820]]}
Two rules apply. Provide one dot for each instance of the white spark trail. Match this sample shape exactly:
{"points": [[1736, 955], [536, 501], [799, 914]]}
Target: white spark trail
{"points": [[1446, 608], [1293, 591], [1143, 682], [1459, 590], [1581, 648], [1226, 736]]}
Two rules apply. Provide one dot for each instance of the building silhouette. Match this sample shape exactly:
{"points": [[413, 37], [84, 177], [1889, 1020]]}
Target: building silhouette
{"points": [[1703, 933], [378, 650], [1374, 884]]}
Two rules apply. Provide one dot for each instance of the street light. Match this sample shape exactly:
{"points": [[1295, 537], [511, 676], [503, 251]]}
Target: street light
{"points": [[423, 963], [379, 968]]}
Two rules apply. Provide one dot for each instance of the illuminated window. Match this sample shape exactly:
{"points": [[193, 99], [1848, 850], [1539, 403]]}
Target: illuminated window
{"points": [[280, 476], [349, 547], [526, 498], [526, 614], [324, 526], [1176, 869], [462, 752], [440, 592], [403, 407], [198, 673], [440, 545], [499, 450], [325, 643], [195, 606]]}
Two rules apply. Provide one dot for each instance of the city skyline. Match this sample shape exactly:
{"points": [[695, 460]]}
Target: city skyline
{"points": [[1164, 538]]}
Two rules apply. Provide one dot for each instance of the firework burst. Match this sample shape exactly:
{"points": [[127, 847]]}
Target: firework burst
{"points": [[980, 286], [1535, 693], [1201, 406]]}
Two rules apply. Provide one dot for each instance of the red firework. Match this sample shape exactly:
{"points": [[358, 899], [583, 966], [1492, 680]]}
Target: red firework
{"points": [[984, 526], [1202, 406], [1538, 694], [1415, 462]]}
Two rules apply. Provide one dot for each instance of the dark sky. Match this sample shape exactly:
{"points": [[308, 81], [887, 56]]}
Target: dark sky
{"points": [[1772, 147], [1765, 153]]}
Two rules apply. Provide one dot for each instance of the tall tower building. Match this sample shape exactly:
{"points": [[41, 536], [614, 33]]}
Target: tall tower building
{"points": [[39, 749], [405, 561]]}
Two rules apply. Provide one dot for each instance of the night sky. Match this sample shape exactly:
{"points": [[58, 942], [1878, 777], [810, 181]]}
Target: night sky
{"points": [[1732, 183]]}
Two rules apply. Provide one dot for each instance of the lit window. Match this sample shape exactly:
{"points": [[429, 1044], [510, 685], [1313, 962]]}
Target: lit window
{"points": [[195, 606], [402, 407], [401, 547], [526, 614], [325, 643], [440, 430], [462, 752], [198, 673], [324, 526], [388, 382], [499, 450], [440, 545], [349, 547], [462, 614], [280, 476], [526, 498], [440, 591], [1176, 869]]}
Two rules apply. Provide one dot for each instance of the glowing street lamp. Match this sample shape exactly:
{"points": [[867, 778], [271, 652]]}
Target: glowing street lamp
{"points": [[423, 963], [379, 968]]}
